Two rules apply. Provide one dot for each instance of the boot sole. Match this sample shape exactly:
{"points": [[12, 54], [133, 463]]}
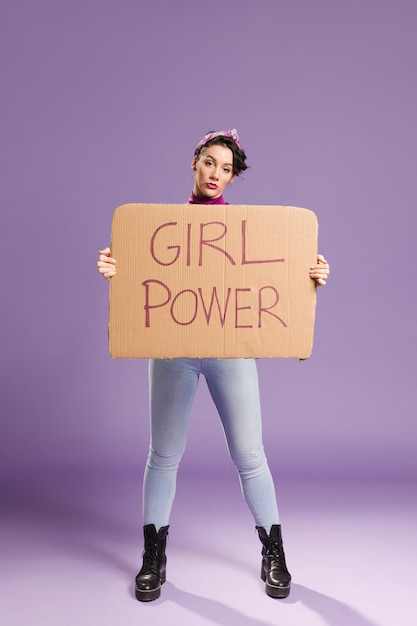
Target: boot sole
{"points": [[275, 592], [147, 595]]}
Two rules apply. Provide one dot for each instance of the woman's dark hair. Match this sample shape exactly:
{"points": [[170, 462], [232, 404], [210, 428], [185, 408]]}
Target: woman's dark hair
{"points": [[239, 156]]}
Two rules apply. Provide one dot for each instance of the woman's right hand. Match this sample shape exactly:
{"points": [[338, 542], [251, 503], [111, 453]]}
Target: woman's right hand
{"points": [[105, 264]]}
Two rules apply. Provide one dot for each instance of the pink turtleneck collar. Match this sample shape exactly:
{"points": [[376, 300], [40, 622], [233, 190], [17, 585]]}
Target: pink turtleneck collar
{"points": [[197, 200]]}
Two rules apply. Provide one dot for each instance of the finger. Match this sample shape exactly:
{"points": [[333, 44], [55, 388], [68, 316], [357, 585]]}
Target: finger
{"points": [[318, 264], [319, 276], [318, 270], [320, 267], [103, 268], [321, 259], [105, 264], [105, 251], [106, 259]]}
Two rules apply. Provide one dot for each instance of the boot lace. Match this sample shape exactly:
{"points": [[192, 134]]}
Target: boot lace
{"points": [[150, 555], [274, 551]]}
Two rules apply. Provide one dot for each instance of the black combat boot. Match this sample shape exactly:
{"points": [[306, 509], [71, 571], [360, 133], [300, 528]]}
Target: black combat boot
{"points": [[153, 572], [274, 570]]}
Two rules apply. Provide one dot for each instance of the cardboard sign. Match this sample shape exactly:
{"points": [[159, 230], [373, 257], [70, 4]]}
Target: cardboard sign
{"points": [[206, 281]]}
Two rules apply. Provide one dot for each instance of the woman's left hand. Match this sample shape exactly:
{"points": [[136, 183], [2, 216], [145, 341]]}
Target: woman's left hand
{"points": [[320, 272]]}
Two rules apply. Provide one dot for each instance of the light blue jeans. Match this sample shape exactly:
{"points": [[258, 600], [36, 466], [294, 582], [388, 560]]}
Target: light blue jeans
{"points": [[233, 385]]}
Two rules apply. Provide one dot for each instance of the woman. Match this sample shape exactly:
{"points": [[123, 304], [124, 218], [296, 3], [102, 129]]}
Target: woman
{"points": [[233, 385]]}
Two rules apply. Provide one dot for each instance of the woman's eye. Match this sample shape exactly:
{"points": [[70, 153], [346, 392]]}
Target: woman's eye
{"points": [[209, 163], [226, 170]]}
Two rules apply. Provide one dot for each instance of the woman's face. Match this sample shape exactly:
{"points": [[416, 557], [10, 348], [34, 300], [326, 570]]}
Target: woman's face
{"points": [[213, 171]]}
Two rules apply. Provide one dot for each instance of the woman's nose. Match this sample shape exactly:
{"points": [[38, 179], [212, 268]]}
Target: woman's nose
{"points": [[215, 174]]}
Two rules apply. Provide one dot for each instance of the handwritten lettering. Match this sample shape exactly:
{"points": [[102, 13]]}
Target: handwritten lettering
{"points": [[263, 309], [209, 242], [176, 248], [214, 296], [244, 259], [210, 235], [194, 244], [244, 304]]}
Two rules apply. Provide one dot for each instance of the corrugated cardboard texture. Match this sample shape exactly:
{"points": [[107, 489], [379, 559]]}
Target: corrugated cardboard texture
{"points": [[206, 281]]}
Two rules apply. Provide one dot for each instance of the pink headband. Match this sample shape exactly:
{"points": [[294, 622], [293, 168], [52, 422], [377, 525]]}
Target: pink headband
{"points": [[221, 133]]}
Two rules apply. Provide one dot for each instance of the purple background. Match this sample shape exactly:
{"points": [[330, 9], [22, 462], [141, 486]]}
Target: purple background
{"points": [[102, 104]]}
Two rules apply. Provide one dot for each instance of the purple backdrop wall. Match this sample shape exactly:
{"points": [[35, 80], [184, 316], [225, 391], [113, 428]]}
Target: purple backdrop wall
{"points": [[102, 103]]}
